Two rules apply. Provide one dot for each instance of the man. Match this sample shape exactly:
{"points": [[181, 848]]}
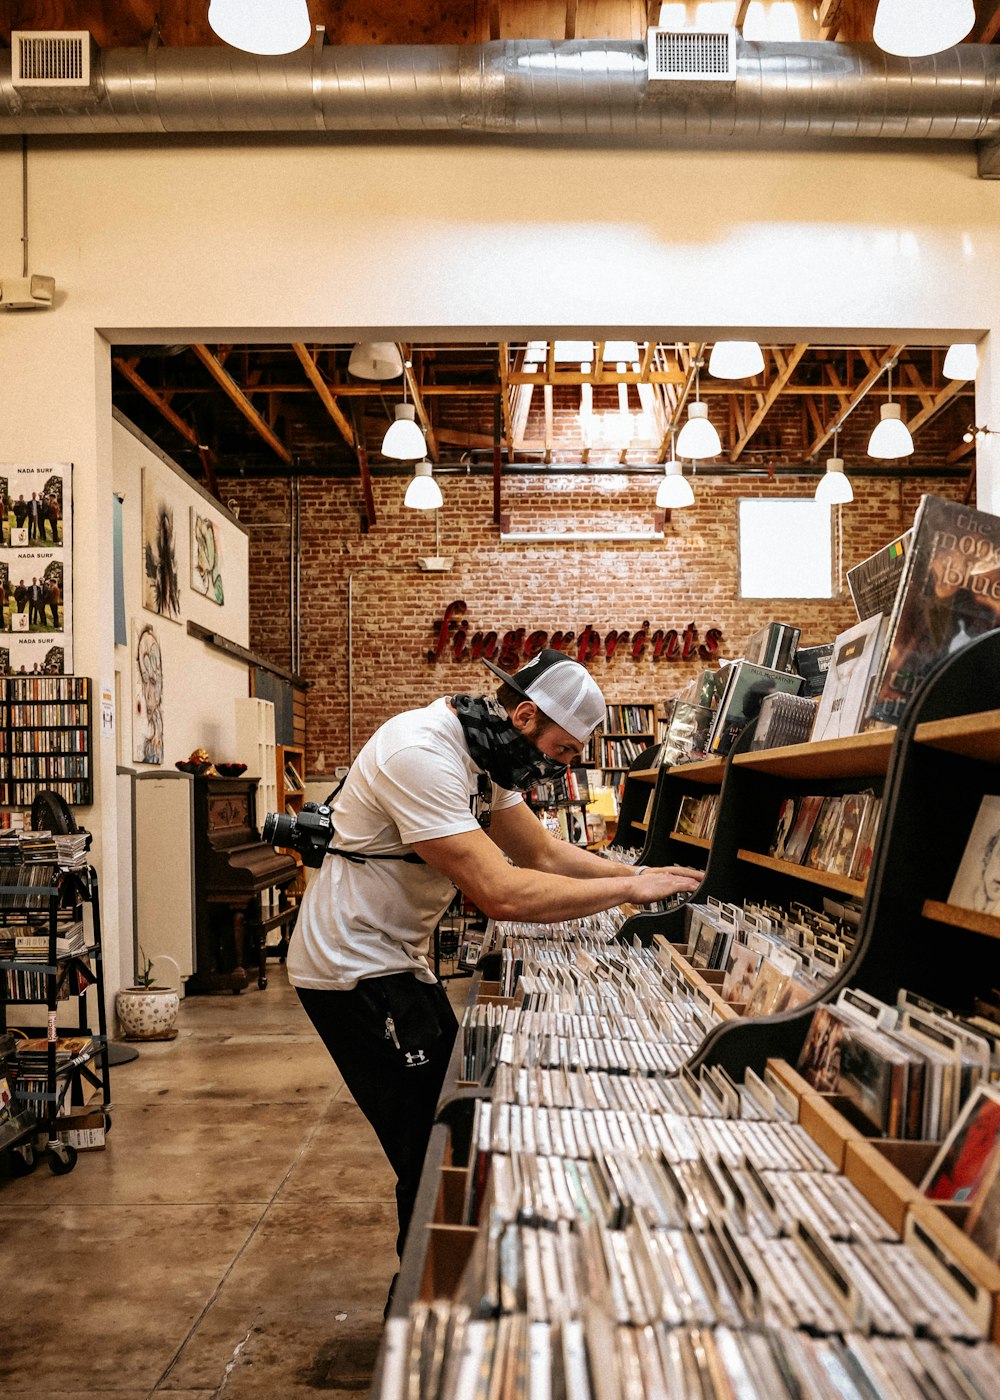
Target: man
{"points": [[435, 801]]}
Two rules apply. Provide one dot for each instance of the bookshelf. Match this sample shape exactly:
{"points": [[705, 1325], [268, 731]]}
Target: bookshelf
{"points": [[290, 777], [629, 729], [46, 726]]}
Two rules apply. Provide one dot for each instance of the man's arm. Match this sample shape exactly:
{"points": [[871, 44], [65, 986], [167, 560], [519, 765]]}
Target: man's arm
{"points": [[523, 837], [474, 863]]}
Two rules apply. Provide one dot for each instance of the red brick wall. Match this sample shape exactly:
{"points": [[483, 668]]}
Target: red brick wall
{"points": [[690, 577]]}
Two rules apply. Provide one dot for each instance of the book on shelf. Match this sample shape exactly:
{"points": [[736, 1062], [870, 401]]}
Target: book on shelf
{"points": [[874, 583], [977, 881], [773, 645], [949, 593], [293, 780], [843, 705], [746, 686]]}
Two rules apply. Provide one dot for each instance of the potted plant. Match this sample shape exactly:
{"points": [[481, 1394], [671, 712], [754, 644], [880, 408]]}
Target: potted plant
{"points": [[147, 1011]]}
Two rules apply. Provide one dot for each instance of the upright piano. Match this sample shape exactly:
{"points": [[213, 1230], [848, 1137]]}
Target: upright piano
{"points": [[233, 870]]}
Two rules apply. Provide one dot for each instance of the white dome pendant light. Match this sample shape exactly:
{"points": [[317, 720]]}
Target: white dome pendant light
{"points": [[375, 359], [404, 440], [736, 359], [890, 437], [834, 489], [674, 492], [961, 361], [423, 492], [698, 437], [913, 28], [261, 26]]}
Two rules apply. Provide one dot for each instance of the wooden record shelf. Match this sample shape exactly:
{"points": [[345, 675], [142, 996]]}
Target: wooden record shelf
{"points": [[859, 755], [826, 878], [974, 736], [702, 842], [645, 775], [709, 771], [969, 919]]}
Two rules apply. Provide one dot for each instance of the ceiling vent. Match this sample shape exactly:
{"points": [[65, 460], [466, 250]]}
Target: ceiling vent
{"points": [[50, 58], [688, 55]]}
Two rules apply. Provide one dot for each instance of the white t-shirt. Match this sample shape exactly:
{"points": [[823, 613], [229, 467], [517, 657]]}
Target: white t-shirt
{"points": [[414, 780]]}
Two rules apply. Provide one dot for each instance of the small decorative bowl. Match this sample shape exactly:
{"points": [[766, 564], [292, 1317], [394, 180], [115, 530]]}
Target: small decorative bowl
{"points": [[230, 770], [187, 765]]}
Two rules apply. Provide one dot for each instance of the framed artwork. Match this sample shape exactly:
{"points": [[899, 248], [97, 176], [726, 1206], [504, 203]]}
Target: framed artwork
{"points": [[147, 694], [161, 590], [36, 568], [206, 557]]}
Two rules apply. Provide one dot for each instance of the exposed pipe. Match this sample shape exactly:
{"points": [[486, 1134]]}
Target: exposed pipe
{"points": [[591, 88]]}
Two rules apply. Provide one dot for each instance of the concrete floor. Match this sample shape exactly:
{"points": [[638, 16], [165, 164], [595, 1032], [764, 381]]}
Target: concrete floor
{"points": [[234, 1240]]}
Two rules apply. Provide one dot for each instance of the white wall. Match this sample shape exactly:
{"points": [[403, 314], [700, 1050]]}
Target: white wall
{"points": [[173, 240]]}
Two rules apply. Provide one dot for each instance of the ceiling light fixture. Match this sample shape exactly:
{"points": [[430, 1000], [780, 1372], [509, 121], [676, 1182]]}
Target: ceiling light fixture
{"points": [[261, 26], [375, 359], [736, 359], [912, 28], [961, 361], [698, 437], [974, 434], [834, 489], [423, 492], [403, 440], [890, 437], [674, 491]]}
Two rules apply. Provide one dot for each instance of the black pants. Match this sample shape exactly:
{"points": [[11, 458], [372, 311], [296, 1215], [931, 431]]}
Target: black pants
{"points": [[391, 1039]]}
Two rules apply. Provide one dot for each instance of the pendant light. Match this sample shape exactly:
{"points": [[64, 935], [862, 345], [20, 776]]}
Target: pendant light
{"points": [[698, 438], [261, 26], [834, 489], [375, 359], [912, 28], [423, 492], [961, 361], [675, 490], [736, 359], [890, 436]]}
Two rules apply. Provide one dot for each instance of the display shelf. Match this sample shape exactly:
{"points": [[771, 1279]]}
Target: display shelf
{"points": [[826, 878], [970, 919], [857, 756], [683, 839], [46, 725], [973, 736], [289, 759]]}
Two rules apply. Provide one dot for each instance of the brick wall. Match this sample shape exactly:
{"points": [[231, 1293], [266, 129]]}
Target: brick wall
{"points": [[691, 577]]}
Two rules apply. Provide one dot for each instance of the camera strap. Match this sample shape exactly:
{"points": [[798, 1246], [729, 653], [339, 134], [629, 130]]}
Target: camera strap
{"points": [[360, 857]]}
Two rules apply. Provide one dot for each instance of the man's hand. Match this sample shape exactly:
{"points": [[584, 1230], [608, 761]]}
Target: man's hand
{"points": [[661, 881]]}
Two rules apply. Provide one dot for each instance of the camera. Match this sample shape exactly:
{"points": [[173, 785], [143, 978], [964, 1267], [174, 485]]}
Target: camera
{"points": [[309, 832]]}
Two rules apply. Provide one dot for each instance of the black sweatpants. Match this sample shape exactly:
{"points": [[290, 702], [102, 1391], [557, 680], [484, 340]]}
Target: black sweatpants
{"points": [[391, 1039]]}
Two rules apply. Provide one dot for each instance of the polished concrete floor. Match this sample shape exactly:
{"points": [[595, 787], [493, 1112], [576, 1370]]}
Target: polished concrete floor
{"points": [[234, 1240]]}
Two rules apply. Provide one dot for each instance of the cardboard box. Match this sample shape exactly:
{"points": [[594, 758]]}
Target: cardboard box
{"points": [[82, 1128]]}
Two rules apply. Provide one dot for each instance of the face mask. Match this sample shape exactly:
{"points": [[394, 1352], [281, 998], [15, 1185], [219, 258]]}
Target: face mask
{"points": [[498, 748]]}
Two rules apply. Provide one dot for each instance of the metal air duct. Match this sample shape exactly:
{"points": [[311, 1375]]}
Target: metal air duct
{"points": [[782, 92]]}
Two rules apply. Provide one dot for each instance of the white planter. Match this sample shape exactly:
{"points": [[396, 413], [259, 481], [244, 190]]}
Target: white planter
{"points": [[148, 1013]]}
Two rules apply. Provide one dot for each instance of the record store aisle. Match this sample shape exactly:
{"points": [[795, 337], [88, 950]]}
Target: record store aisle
{"points": [[234, 1240]]}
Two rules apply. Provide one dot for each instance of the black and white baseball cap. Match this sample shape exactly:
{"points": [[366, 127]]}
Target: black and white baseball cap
{"points": [[562, 688]]}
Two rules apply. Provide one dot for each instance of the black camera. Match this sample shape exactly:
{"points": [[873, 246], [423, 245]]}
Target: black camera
{"points": [[309, 832]]}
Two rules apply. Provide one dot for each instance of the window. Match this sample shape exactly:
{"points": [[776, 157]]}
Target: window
{"points": [[786, 549]]}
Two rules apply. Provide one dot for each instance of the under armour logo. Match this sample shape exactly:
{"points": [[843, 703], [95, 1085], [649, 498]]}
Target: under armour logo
{"points": [[415, 1058]]}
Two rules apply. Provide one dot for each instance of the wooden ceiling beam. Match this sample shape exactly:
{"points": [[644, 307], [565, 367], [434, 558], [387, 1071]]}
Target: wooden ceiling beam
{"points": [[739, 18], [694, 354], [127, 369], [418, 402], [989, 26], [236, 395], [315, 377], [503, 364], [877, 367], [549, 423], [941, 400], [786, 369]]}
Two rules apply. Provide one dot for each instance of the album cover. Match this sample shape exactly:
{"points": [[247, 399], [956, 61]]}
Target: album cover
{"points": [[960, 1165], [773, 645], [875, 581], [853, 811], [825, 835], [812, 664], [767, 988], [983, 1224], [977, 881], [873, 1078], [856, 655], [819, 1061], [949, 593], [798, 837], [746, 687], [744, 964], [786, 821]]}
